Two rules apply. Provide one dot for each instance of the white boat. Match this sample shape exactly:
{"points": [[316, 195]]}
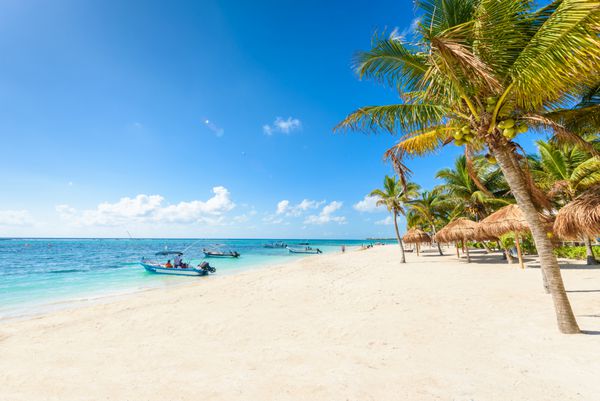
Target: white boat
{"points": [[306, 249], [183, 269], [215, 253], [279, 244]]}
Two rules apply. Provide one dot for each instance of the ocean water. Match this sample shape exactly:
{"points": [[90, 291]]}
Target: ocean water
{"points": [[42, 274]]}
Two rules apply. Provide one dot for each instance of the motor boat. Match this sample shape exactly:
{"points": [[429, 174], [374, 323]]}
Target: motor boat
{"points": [[210, 253], [184, 269], [306, 249]]}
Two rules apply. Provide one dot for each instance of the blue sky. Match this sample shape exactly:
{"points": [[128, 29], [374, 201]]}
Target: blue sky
{"points": [[191, 119]]}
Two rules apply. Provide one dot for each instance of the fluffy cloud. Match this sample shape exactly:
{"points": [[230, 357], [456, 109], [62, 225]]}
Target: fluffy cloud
{"points": [[326, 215], [15, 218], [149, 208], [285, 207], [388, 221], [280, 125], [368, 204]]}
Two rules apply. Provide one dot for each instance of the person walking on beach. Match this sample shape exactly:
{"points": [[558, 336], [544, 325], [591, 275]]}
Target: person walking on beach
{"points": [[343, 248]]}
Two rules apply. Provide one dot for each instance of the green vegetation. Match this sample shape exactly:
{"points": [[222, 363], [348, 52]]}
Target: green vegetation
{"points": [[575, 252], [479, 73]]}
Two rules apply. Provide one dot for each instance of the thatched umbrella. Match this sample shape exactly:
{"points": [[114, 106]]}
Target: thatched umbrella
{"points": [[509, 219], [461, 229], [416, 236], [581, 217]]}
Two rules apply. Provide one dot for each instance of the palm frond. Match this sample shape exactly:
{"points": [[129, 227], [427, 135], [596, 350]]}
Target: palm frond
{"points": [[587, 174], [395, 117], [391, 62], [563, 53]]}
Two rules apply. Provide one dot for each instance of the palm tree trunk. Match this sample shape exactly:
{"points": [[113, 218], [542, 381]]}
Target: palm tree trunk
{"points": [[549, 265], [438, 244], [403, 258], [591, 260]]}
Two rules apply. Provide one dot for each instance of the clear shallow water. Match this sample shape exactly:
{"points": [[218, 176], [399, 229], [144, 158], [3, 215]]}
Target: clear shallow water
{"points": [[36, 273]]}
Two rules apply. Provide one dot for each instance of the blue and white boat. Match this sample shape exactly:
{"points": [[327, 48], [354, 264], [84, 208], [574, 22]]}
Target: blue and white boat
{"points": [[306, 249], [184, 269]]}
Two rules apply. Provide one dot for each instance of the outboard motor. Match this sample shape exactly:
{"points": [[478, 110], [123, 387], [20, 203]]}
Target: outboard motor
{"points": [[319, 251], [206, 267]]}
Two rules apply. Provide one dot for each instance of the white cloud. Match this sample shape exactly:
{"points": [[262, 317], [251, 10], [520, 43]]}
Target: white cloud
{"points": [[406, 33], [368, 204], [285, 207], [388, 221], [282, 207], [15, 218], [150, 209], [326, 215], [280, 125], [218, 131]]}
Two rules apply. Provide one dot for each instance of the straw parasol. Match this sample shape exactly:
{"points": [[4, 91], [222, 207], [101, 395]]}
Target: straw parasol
{"points": [[509, 219], [461, 229], [416, 236], [580, 217]]}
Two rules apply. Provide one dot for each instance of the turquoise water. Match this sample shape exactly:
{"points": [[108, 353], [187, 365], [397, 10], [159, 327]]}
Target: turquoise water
{"points": [[40, 273]]}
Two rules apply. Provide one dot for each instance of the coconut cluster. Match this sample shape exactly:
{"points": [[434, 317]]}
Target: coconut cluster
{"points": [[464, 135], [510, 128]]}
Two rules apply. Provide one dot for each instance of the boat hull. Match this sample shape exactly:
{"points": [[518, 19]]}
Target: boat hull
{"points": [[216, 255], [305, 251], [175, 271]]}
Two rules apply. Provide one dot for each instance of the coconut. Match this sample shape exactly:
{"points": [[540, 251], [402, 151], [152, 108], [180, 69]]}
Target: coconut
{"points": [[466, 129], [522, 128], [509, 133], [509, 123], [491, 101]]}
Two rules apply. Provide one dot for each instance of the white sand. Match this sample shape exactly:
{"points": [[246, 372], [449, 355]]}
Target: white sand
{"points": [[358, 326]]}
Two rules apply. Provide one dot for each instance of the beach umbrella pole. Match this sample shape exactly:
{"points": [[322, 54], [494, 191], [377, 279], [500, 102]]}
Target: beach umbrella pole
{"points": [[467, 251], [457, 251], [519, 250]]}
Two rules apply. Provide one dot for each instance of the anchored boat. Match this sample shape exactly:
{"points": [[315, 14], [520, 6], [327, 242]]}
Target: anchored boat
{"points": [[279, 244], [210, 253], [306, 249], [179, 269]]}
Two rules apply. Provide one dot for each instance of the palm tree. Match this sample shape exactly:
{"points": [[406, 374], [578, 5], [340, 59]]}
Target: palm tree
{"points": [[565, 171], [478, 73], [477, 201], [430, 206], [394, 195]]}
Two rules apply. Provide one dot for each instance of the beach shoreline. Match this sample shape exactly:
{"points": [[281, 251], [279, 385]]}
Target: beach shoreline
{"points": [[355, 326]]}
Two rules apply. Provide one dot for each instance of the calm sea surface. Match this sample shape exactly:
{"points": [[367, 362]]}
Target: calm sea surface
{"points": [[41, 274]]}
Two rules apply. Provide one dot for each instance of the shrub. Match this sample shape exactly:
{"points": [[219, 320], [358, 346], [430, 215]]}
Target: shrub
{"points": [[527, 244], [575, 252]]}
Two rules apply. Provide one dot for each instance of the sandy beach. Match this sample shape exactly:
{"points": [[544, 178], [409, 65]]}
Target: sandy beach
{"points": [[357, 326]]}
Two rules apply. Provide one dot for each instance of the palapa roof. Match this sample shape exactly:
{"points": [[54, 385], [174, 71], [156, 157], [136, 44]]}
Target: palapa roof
{"points": [[580, 217], [414, 235], [457, 230], [505, 220]]}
